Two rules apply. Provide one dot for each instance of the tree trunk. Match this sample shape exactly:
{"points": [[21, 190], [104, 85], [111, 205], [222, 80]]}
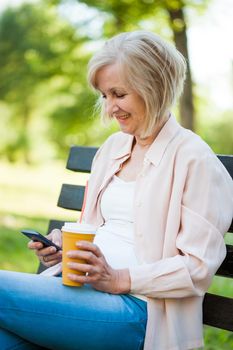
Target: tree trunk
{"points": [[178, 26]]}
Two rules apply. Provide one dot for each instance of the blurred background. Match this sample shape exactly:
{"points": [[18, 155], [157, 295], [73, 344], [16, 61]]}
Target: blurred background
{"points": [[46, 105]]}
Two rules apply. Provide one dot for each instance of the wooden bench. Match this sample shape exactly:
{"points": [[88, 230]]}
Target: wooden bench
{"points": [[217, 310]]}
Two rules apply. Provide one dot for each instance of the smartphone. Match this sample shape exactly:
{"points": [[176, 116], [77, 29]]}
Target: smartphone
{"points": [[37, 237]]}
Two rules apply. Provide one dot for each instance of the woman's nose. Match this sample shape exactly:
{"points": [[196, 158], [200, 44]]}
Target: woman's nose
{"points": [[111, 106]]}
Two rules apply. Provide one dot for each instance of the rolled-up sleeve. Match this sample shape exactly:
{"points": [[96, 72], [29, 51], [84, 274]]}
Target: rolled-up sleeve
{"points": [[206, 214]]}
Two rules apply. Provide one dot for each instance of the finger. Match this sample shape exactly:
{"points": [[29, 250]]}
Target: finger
{"points": [[84, 255], [79, 278], [58, 255], [46, 251], [90, 269], [51, 257], [35, 245], [82, 278], [50, 263], [84, 245]]}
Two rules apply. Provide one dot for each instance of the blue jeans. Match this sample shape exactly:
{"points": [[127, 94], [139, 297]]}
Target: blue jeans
{"points": [[38, 312]]}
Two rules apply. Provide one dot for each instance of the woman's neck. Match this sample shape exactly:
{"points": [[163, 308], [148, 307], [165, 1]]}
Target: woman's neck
{"points": [[147, 141]]}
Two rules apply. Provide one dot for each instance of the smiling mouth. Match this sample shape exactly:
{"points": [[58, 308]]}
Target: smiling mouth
{"points": [[122, 117]]}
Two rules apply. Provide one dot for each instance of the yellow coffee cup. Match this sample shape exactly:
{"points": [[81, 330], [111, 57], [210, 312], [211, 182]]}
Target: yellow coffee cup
{"points": [[71, 234]]}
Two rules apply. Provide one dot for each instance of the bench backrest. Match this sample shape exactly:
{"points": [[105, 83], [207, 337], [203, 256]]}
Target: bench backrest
{"points": [[217, 310]]}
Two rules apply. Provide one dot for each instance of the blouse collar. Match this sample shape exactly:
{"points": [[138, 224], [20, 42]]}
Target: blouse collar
{"points": [[157, 149]]}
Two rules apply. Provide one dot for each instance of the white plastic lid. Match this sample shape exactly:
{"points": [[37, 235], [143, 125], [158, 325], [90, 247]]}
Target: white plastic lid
{"points": [[77, 227]]}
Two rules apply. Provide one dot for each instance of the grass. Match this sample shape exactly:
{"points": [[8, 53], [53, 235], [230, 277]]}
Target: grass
{"points": [[28, 200]]}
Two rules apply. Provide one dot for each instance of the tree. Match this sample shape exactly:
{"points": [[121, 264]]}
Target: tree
{"points": [[40, 51]]}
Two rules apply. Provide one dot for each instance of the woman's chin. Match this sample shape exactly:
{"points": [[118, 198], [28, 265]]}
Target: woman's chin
{"points": [[125, 129]]}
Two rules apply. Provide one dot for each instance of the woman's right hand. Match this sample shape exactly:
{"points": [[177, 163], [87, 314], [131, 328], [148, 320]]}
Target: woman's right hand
{"points": [[48, 256]]}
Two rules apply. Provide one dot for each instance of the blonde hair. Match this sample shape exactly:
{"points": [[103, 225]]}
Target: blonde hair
{"points": [[150, 66]]}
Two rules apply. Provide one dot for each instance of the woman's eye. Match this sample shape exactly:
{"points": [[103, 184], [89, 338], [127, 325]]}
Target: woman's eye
{"points": [[103, 96], [120, 95]]}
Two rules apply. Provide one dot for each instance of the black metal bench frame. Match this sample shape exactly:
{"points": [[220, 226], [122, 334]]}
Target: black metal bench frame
{"points": [[217, 310]]}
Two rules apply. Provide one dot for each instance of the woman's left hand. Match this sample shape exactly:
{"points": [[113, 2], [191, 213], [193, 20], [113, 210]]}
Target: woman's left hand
{"points": [[99, 274]]}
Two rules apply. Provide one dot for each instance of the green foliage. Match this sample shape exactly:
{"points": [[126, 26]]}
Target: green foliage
{"points": [[126, 15], [213, 125], [134, 14], [34, 43], [217, 339], [218, 133], [41, 52], [15, 256], [45, 103]]}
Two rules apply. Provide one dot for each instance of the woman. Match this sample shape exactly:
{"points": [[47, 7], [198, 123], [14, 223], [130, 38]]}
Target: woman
{"points": [[161, 201]]}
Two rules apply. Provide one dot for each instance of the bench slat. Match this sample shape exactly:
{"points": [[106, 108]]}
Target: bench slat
{"points": [[71, 197], [227, 161], [231, 227], [218, 311], [226, 269], [80, 158], [54, 224]]}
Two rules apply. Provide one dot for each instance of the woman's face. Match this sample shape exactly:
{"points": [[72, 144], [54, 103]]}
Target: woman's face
{"points": [[121, 103]]}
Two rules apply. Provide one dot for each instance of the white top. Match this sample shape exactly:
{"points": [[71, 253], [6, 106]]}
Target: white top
{"points": [[115, 237]]}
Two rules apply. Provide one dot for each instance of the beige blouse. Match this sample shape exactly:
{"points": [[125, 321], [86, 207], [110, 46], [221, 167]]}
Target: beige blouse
{"points": [[183, 205]]}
